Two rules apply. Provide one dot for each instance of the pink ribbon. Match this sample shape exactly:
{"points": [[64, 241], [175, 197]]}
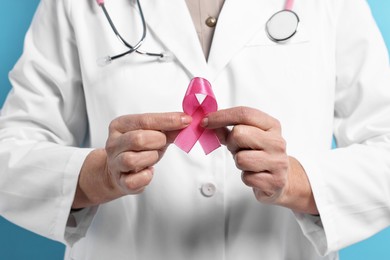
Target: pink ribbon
{"points": [[191, 106]]}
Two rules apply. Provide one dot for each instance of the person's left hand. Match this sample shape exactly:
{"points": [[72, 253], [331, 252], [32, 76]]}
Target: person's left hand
{"points": [[259, 151]]}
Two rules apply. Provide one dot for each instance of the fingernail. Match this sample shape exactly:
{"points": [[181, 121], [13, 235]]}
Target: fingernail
{"points": [[186, 120], [204, 122]]}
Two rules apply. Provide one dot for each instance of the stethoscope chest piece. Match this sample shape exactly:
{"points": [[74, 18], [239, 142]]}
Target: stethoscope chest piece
{"points": [[282, 26]]}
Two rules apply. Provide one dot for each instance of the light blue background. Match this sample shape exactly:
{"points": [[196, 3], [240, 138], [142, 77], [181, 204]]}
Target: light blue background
{"points": [[19, 244]]}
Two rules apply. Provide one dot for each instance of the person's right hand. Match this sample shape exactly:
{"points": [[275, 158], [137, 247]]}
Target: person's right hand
{"points": [[125, 166]]}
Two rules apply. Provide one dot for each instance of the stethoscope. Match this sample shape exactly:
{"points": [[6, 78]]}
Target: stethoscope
{"points": [[280, 28], [131, 48], [283, 25]]}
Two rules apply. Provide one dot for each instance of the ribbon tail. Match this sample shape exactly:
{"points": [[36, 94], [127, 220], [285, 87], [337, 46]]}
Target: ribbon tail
{"points": [[186, 139], [209, 141]]}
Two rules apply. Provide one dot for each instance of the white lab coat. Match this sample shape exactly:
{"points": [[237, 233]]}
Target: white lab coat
{"points": [[333, 77]]}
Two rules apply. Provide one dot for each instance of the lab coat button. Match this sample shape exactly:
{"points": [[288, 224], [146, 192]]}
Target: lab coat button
{"points": [[211, 21], [208, 189]]}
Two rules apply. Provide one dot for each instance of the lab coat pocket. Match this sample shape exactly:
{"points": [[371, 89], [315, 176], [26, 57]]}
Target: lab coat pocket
{"points": [[279, 71]]}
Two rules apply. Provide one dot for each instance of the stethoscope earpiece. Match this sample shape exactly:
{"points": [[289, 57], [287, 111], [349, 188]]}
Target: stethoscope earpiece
{"points": [[282, 26], [103, 61], [166, 56]]}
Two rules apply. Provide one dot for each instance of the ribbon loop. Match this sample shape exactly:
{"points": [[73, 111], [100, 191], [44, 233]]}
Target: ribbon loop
{"points": [[191, 106]]}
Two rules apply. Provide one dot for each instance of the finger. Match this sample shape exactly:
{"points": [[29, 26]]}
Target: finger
{"points": [[262, 180], [171, 136], [152, 121], [134, 183], [264, 183], [137, 140], [222, 134], [240, 116], [136, 161], [253, 161], [245, 137], [268, 196], [249, 137], [260, 161]]}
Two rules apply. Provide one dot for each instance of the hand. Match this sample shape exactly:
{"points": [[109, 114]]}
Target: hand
{"points": [[135, 143], [259, 150]]}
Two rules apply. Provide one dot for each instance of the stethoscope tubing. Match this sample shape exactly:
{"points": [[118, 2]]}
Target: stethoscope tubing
{"points": [[289, 4], [132, 48]]}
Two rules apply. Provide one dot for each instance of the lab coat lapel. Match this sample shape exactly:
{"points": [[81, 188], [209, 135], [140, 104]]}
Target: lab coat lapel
{"points": [[171, 22], [238, 22]]}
